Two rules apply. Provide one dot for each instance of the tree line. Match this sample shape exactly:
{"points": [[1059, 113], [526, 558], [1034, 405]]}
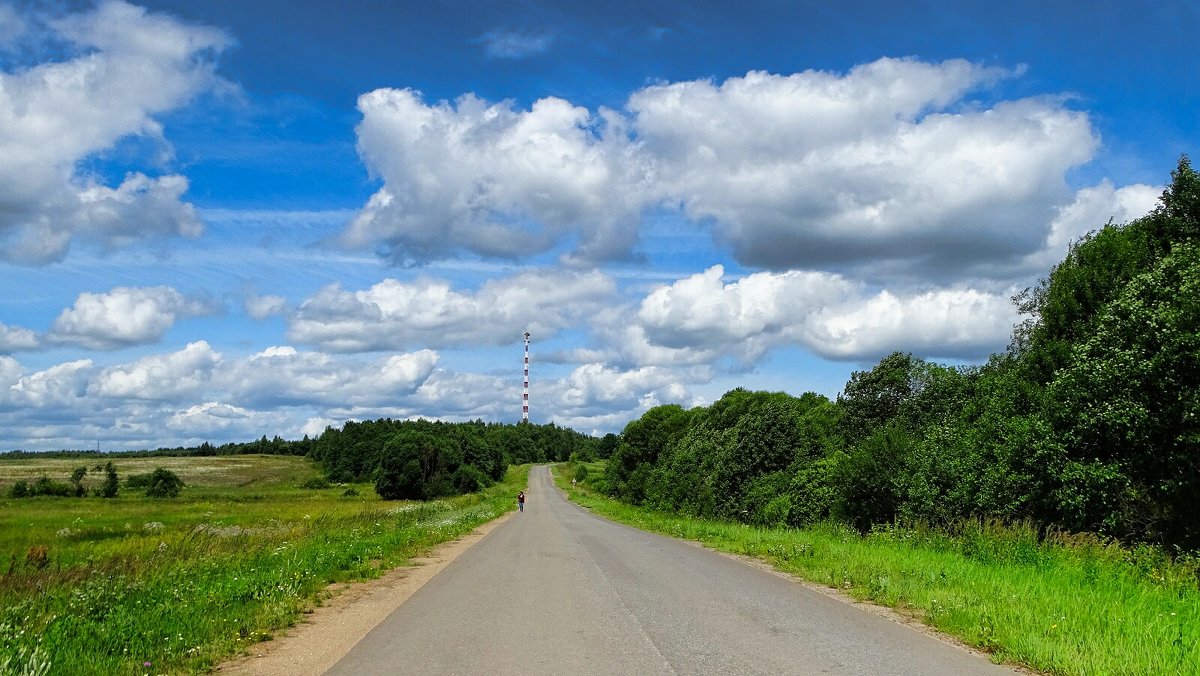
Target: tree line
{"points": [[406, 459], [1090, 421], [161, 483], [421, 459]]}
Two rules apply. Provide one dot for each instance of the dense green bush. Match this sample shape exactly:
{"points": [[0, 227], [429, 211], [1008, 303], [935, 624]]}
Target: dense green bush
{"points": [[164, 484], [44, 486], [137, 481], [20, 489]]}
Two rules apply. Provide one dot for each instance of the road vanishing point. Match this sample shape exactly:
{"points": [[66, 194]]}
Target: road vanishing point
{"points": [[558, 590]]}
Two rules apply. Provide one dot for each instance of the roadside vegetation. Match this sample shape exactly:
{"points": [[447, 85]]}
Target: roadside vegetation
{"points": [[1057, 603], [141, 584]]}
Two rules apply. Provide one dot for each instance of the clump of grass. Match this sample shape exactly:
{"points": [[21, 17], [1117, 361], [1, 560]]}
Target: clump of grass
{"points": [[1064, 604], [210, 577]]}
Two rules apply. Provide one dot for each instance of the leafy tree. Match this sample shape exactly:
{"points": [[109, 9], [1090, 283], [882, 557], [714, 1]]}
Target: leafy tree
{"points": [[641, 442], [762, 442], [417, 465], [870, 479], [400, 476], [1128, 404], [111, 485], [814, 489], [607, 446], [44, 486], [77, 481], [1062, 309], [683, 477], [1176, 220]]}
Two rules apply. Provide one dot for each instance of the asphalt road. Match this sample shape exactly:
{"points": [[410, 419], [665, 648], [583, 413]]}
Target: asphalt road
{"points": [[556, 590]]}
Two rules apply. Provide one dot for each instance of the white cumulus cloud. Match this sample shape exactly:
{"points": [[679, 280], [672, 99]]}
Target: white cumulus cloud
{"points": [[494, 180], [227, 420], [129, 66], [16, 339], [394, 314], [124, 316], [161, 377], [887, 162], [888, 171], [284, 376], [62, 386], [261, 307], [701, 317], [597, 389]]}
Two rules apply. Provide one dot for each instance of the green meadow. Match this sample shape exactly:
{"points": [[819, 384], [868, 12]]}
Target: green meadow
{"points": [[1060, 605], [134, 585]]}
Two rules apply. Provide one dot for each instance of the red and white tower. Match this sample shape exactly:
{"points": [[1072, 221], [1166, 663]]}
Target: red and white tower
{"points": [[525, 388]]}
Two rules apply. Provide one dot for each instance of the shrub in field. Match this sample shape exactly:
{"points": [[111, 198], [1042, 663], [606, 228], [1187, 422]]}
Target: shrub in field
{"points": [[44, 486], [164, 484], [316, 483], [19, 489], [139, 481]]}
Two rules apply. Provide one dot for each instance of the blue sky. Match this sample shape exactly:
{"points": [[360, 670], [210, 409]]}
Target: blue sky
{"points": [[221, 220]]}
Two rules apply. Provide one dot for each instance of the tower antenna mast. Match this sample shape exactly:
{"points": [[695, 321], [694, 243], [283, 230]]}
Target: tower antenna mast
{"points": [[525, 387]]}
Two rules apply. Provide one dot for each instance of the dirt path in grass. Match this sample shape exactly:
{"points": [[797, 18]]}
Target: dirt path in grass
{"points": [[326, 634]]}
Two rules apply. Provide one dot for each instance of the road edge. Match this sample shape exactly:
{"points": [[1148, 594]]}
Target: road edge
{"points": [[348, 614], [896, 615]]}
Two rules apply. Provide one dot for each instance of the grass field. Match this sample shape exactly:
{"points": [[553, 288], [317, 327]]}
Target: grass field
{"points": [[1065, 605], [136, 585]]}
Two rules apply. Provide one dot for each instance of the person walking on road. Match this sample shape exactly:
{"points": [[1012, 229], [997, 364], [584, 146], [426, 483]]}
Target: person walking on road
{"points": [[521, 501]]}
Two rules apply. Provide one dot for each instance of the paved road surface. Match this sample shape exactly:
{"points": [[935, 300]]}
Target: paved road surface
{"points": [[557, 590]]}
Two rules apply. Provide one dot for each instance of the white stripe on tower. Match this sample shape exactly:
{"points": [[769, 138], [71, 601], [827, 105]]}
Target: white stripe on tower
{"points": [[525, 389]]}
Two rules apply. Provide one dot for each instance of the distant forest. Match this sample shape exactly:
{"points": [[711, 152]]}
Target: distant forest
{"points": [[1089, 422], [410, 459]]}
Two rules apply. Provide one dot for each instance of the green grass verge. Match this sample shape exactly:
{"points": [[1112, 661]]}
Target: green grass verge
{"points": [[136, 585], [1064, 605]]}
